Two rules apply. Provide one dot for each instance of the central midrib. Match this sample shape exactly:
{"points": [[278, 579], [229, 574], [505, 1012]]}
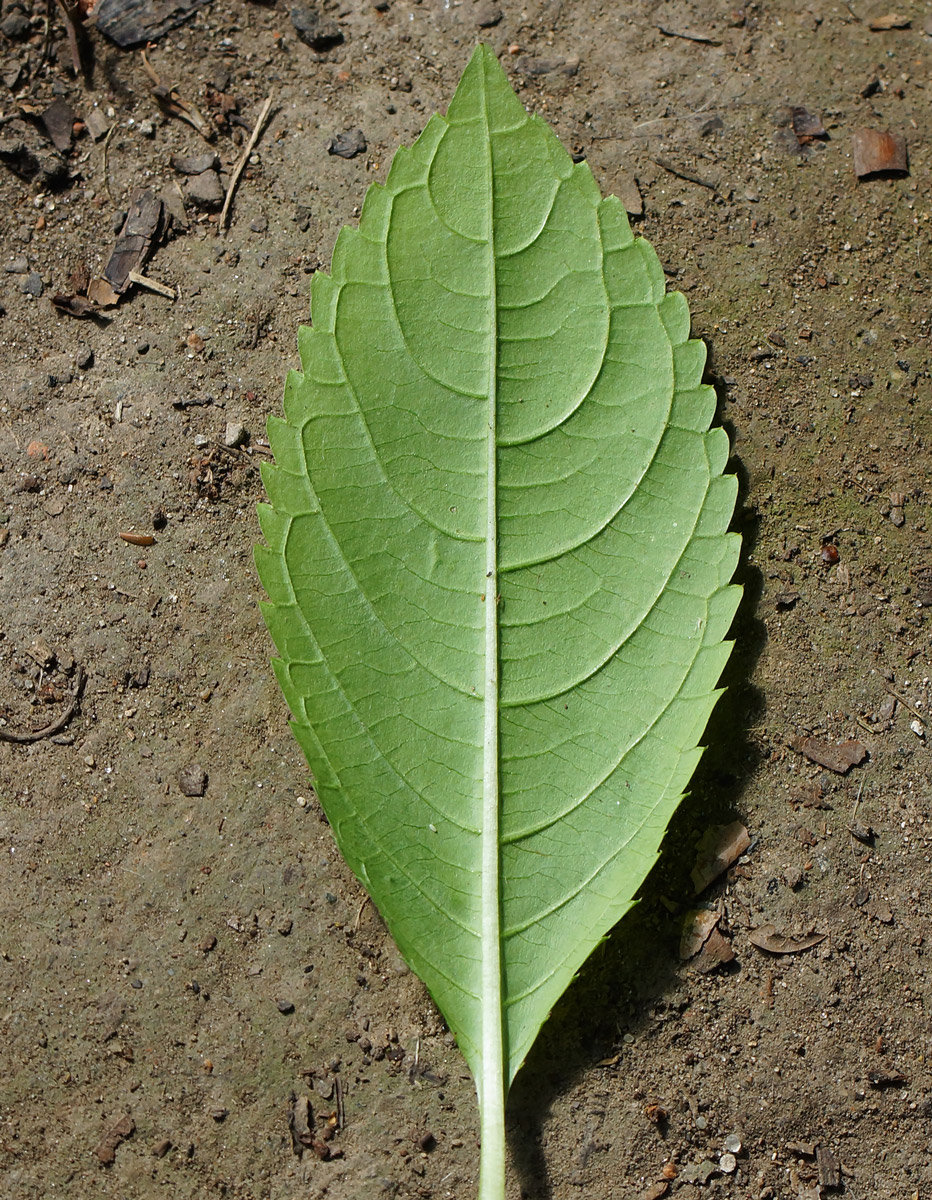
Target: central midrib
{"points": [[492, 1071]]}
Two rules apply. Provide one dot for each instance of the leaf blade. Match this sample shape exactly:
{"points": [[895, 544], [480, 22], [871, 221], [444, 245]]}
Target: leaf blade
{"points": [[498, 564]]}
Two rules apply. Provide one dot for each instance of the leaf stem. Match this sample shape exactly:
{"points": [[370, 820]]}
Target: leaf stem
{"points": [[492, 1149]]}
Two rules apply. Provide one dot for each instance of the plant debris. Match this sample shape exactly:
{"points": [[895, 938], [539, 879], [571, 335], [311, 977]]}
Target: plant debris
{"points": [[766, 937], [839, 757], [702, 943], [107, 1146], [131, 22], [807, 126], [720, 846], [878, 152]]}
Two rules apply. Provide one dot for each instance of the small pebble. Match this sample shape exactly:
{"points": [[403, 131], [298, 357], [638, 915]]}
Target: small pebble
{"points": [[84, 358], [137, 984], [146, 128], [208, 944], [192, 780], [727, 1163], [702, 1123], [32, 284], [918, 728], [205, 694], [301, 801], [219, 1114], [285, 1007], [236, 434], [285, 927], [258, 224], [733, 1144], [205, 190]]}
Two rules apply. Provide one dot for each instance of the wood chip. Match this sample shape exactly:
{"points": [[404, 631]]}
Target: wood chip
{"points": [[130, 22], [890, 20], [766, 937], [827, 1165], [878, 152], [839, 757], [145, 225]]}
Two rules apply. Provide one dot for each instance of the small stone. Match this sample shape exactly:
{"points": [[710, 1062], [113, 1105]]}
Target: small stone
{"points": [[285, 1007], [285, 927], [347, 144], [15, 25], [727, 1164], [195, 164], [259, 224], [161, 1147], [209, 943], [192, 779], [733, 1144], [205, 190], [84, 358], [146, 128], [236, 434], [218, 1114], [487, 15], [32, 285], [17, 266], [98, 127], [315, 30], [918, 728], [702, 1123]]}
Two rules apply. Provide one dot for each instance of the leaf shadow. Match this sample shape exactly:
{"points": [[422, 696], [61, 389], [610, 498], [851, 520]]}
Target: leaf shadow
{"points": [[625, 984]]}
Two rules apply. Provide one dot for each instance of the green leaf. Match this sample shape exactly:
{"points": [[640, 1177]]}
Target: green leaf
{"points": [[498, 565]]}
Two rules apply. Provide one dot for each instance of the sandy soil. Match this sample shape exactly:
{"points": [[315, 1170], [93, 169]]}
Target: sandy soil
{"points": [[197, 962]]}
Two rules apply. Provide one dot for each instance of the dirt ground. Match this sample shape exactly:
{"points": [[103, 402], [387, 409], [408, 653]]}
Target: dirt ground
{"points": [[176, 970]]}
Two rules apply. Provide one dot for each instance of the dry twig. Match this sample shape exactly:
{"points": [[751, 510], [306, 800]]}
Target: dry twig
{"points": [[244, 158]]}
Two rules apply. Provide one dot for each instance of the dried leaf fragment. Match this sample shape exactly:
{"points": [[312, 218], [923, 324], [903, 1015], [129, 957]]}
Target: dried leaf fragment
{"points": [[878, 151], [697, 926], [107, 1146], [719, 847], [766, 937], [839, 757], [807, 125]]}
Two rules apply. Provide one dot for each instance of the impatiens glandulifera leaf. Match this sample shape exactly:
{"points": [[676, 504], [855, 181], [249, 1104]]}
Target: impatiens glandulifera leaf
{"points": [[498, 565]]}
